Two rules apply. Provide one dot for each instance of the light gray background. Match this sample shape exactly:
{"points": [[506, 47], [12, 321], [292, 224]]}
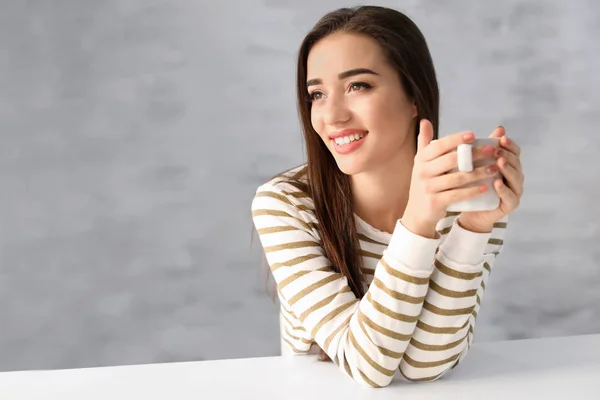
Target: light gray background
{"points": [[134, 133]]}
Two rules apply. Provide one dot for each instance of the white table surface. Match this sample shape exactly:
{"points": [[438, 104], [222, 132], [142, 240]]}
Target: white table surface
{"points": [[549, 368]]}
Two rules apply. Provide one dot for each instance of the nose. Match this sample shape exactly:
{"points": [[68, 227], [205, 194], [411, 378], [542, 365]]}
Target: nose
{"points": [[336, 110]]}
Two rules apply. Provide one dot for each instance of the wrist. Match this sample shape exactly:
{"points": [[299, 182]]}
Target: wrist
{"points": [[422, 228], [474, 226]]}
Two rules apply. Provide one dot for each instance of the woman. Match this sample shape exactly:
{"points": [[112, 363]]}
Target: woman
{"points": [[370, 268]]}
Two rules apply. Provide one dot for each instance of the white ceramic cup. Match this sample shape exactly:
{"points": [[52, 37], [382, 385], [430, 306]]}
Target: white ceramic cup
{"points": [[488, 200]]}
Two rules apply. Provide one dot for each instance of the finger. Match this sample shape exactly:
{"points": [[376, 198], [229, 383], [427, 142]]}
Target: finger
{"points": [[425, 134], [511, 157], [452, 196], [446, 144], [507, 195], [460, 179], [510, 145], [514, 179], [448, 161], [498, 132]]}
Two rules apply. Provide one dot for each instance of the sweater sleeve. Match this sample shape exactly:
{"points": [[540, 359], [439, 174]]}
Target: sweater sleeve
{"points": [[444, 332], [365, 338]]}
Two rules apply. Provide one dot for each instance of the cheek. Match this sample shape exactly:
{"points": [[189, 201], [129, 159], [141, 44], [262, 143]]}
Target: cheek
{"points": [[383, 115]]}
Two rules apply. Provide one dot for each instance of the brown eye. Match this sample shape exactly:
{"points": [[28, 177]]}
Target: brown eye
{"points": [[315, 95], [354, 86]]}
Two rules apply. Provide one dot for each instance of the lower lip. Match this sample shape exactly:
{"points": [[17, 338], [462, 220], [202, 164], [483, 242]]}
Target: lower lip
{"points": [[350, 147]]}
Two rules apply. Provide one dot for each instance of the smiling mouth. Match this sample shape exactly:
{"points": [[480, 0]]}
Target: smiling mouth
{"points": [[346, 140]]}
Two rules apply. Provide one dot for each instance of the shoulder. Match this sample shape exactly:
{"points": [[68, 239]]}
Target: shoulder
{"points": [[288, 190], [284, 200], [290, 186]]}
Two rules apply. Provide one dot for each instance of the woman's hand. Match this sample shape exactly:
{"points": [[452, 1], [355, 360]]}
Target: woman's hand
{"points": [[509, 189], [432, 188]]}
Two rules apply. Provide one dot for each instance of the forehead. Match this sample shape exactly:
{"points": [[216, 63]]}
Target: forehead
{"points": [[340, 52]]}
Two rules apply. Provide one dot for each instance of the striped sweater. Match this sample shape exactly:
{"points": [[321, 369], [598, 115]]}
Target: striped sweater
{"points": [[422, 295]]}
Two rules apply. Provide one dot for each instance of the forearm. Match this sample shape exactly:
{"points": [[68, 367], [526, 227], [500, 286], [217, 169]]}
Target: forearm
{"points": [[445, 328]]}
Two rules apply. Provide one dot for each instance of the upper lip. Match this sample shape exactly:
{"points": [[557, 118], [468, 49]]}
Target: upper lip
{"points": [[345, 132]]}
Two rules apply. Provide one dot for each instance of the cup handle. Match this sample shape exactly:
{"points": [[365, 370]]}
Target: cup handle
{"points": [[464, 154]]}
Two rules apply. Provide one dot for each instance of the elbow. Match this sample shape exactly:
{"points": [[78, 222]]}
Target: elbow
{"points": [[424, 375]]}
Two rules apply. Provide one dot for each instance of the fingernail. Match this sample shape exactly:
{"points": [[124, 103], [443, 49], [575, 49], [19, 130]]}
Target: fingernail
{"points": [[498, 153], [489, 150], [468, 136], [482, 188], [492, 169], [507, 140]]}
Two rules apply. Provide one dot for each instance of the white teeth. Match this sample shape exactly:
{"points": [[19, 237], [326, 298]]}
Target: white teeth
{"points": [[350, 138]]}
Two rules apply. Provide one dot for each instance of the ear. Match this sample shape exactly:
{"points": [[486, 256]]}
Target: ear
{"points": [[415, 112]]}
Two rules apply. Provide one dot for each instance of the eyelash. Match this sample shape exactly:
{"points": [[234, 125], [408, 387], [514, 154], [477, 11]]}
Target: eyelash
{"points": [[363, 85]]}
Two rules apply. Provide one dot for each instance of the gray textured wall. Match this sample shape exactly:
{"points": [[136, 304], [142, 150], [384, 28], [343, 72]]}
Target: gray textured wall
{"points": [[134, 133]]}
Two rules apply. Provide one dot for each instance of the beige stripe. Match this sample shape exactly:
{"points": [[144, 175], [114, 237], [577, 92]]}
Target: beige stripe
{"points": [[426, 379], [294, 349], [392, 314], [479, 300], [500, 225], [447, 312], [452, 214], [294, 327], [294, 261], [435, 347], [291, 245], [300, 186], [403, 276], [279, 213], [295, 276], [362, 318], [311, 288], [336, 331], [382, 350], [498, 242], [474, 314], [283, 199], [368, 380], [367, 239], [332, 315], [300, 173], [487, 266], [277, 229], [397, 295], [298, 195], [369, 254], [347, 366], [434, 329], [301, 339], [451, 293], [456, 274], [323, 302], [445, 230], [429, 364], [369, 360], [367, 271], [483, 285]]}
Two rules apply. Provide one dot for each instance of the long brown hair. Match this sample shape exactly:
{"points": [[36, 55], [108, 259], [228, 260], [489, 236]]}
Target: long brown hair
{"points": [[406, 50]]}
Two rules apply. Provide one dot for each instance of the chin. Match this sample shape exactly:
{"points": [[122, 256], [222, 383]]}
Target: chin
{"points": [[350, 165]]}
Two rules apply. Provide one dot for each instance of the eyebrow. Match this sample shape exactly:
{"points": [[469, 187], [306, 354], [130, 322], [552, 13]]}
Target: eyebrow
{"points": [[343, 75]]}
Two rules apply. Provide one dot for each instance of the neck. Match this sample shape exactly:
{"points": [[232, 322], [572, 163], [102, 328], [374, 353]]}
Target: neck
{"points": [[380, 196]]}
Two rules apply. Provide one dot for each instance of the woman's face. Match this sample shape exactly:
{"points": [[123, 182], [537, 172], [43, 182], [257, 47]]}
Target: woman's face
{"points": [[359, 108]]}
